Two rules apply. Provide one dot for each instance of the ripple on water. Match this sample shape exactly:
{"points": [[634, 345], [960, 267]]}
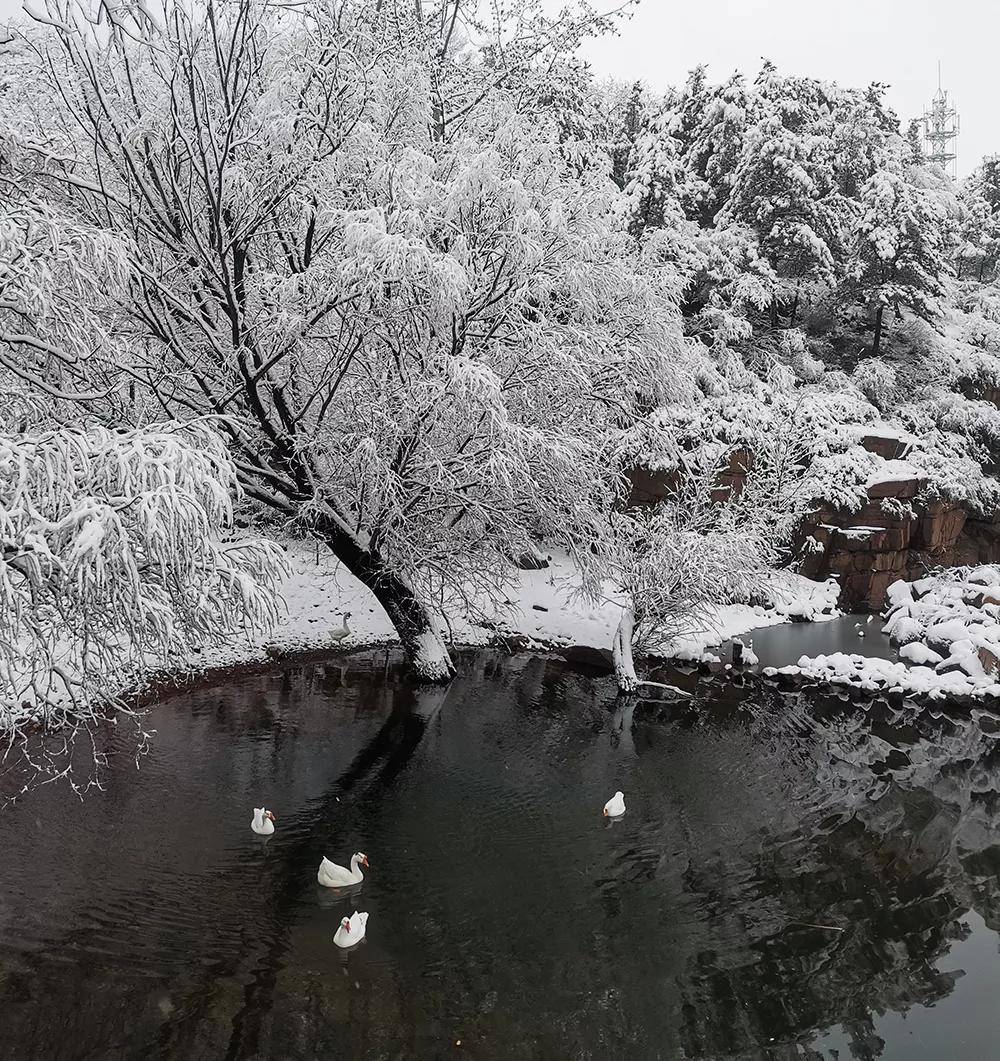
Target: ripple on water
{"points": [[788, 865]]}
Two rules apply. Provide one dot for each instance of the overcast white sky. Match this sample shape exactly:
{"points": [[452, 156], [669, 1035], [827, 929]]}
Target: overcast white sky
{"points": [[849, 41]]}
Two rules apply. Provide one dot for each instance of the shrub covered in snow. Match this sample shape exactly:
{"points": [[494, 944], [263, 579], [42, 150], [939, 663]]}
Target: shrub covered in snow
{"points": [[114, 561]]}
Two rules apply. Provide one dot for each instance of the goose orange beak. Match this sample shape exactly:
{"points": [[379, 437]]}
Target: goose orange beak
{"points": [[364, 862]]}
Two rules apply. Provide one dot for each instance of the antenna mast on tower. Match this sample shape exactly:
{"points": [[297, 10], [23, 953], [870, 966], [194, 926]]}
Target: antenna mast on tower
{"points": [[941, 131]]}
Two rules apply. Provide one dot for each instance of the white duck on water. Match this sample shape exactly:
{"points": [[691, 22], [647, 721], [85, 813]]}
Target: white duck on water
{"points": [[352, 930], [331, 875], [263, 821], [615, 807]]}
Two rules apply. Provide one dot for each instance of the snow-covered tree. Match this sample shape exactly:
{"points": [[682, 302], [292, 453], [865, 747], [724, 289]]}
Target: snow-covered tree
{"points": [[114, 562], [710, 125], [654, 182], [422, 326], [625, 117], [57, 279], [914, 143], [785, 184], [671, 566], [900, 253], [979, 238], [979, 230], [865, 134]]}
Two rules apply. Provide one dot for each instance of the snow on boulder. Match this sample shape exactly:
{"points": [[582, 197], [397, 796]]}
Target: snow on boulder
{"points": [[898, 593], [894, 478], [747, 656], [945, 632], [798, 597], [964, 657], [950, 640], [902, 628], [915, 652]]}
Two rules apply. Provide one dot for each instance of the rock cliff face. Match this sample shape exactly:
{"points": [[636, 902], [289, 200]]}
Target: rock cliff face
{"points": [[869, 549], [650, 486]]}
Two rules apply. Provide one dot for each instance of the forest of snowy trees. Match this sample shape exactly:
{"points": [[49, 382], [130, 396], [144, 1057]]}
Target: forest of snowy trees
{"points": [[407, 279]]}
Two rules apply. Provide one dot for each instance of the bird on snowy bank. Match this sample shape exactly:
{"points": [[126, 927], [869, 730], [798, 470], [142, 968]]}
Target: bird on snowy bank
{"points": [[352, 930], [263, 821], [615, 807], [331, 875]]}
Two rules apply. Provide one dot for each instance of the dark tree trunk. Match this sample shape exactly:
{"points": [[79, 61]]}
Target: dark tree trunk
{"points": [[425, 651], [795, 308], [774, 313], [877, 338]]}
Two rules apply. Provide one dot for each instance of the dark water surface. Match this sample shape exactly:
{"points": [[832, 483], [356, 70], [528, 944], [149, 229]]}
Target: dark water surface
{"points": [[796, 877], [784, 644]]}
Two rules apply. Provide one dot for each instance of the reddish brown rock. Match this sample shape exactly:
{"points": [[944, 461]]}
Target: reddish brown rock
{"points": [[900, 489], [988, 659], [888, 446], [938, 527]]}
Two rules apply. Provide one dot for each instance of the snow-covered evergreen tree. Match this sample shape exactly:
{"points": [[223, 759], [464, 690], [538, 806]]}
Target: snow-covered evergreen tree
{"points": [[900, 250], [710, 124], [785, 185]]}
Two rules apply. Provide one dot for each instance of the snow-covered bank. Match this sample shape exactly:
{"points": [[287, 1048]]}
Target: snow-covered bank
{"points": [[542, 608], [947, 629]]}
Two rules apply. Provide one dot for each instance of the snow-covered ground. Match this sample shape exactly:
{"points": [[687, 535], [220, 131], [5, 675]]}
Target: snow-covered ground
{"points": [[541, 607], [947, 627]]}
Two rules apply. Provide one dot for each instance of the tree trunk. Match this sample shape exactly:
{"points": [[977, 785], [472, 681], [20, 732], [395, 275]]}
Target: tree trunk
{"points": [[621, 725], [425, 651], [622, 653], [961, 262], [795, 309], [774, 313], [877, 339]]}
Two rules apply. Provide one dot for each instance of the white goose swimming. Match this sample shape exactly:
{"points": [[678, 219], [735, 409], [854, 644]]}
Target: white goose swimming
{"points": [[615, 807], [263, 821], [343, 631], [352, 930], [331, 875]]}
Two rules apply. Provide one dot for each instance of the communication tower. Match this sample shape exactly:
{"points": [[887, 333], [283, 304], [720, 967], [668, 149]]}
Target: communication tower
{"points": [[941, 131]]}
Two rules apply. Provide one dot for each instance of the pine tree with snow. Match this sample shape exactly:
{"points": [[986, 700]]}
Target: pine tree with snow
{"points": [[978, 252], [979, 238], [900, 249], [865, 136], [914, 144], [627, 120], [785, 185], [710, 126], [653, 187]]}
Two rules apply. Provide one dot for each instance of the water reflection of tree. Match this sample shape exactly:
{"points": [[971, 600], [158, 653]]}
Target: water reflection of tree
{"points": [[885, 867], [880, 822]]}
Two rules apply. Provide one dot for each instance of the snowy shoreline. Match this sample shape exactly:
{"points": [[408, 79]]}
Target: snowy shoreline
{"points": [[946, 631], [542, 612]]}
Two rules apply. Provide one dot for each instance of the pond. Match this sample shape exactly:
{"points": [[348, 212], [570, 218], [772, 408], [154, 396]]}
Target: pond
{"points": [[795, 876]]}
